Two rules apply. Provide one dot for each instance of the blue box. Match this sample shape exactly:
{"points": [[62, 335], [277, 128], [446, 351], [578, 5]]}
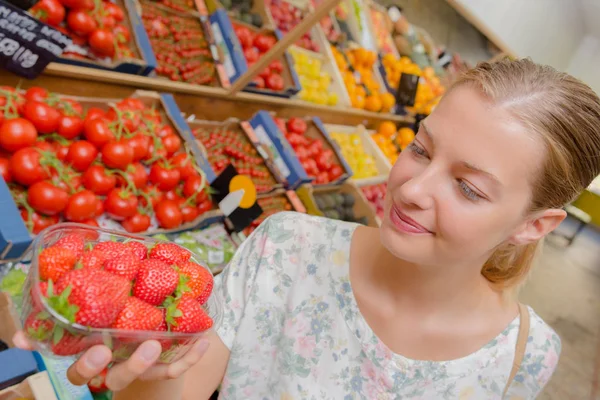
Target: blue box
{"points": [[283, 155], [145, 66], [14, 236], [57, 372], [15, 366]]}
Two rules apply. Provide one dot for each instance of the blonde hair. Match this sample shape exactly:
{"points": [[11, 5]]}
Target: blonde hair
{"points": [[565, 114]]}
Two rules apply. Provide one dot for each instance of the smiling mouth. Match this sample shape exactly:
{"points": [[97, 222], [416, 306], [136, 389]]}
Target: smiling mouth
{"points": [[404, 223]]}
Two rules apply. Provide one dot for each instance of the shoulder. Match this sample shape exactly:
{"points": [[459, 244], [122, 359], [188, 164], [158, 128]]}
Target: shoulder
{"points": [[287, 225]]}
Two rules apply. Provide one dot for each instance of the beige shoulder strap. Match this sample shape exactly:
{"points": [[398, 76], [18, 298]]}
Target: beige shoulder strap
{"points": [[521, 345]]}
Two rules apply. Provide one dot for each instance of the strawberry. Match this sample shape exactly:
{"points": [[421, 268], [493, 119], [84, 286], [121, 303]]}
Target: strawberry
{"points": [[98, 295], [155, 281], [93, 259], [138, 249], [138, 316], [98, 383], [199, 281], [38, 325], [112, 249], [170, 253], [126, 265], [188, 316], [54, 262], [73, 242], [67, 344]]}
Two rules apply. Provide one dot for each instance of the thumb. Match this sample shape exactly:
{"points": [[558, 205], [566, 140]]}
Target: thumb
{"points": [[89, 365]]}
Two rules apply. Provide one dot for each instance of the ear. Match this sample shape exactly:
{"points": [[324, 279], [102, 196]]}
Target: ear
{"points": [[538, 226]]}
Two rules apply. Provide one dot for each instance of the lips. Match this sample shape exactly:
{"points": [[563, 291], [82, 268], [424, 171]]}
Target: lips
{"points": [[406, 224]]}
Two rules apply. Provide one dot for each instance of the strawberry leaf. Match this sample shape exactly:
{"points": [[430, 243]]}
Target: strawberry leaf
{"points": [[58, 334]]}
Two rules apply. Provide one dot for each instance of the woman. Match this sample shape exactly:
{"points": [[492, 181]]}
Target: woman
{"points": [[423, 307]]}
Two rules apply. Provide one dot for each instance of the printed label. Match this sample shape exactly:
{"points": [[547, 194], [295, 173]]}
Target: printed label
{"points": [[266, 141]]}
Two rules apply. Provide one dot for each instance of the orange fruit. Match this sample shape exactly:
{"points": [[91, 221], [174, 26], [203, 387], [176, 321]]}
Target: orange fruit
{"points": [[387, 101], [387, 128], [373, 103], [358, 102], [405, 136]]}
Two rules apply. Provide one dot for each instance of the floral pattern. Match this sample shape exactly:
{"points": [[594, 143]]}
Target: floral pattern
{"points": [[295, 331]]}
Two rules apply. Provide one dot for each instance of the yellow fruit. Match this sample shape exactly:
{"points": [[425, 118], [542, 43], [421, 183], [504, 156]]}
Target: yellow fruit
{"points": [[332, 99]]}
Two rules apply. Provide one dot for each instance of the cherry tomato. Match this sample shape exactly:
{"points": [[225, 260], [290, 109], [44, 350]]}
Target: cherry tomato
{"points": [[137, 223], [188, 212], [184, 164], [165, 130], [335, 172], [275, 82], [154, 194], [120, 204], [17, 133], [61, 150], [136, 173], [244, 35], [99, 208], [102, 41], [94, 113], [130, 120], [122, 34], [51, 12], [98, 181], [195, 186], [117, 154], [165, 178], [81, 206], [81, 22], [91, 221], [78, 4], [264, 42], [140, 144], [132, 103], [205, 206], [36, 93], [38, 221], [97, 132], [106, 22], [69, 127], [251, 54], [259, 81], [42, 116], [25, 167], [5, 170], [276, 66], [114, 11], [46, 198], [168, 214], [81, 155], [172, 143], [70, 107], [296, 125]]}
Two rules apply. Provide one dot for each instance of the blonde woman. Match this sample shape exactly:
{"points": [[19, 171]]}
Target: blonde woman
{"points": [[423, 307]]}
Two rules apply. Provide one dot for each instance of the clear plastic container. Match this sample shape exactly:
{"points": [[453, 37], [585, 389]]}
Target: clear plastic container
{"points": [[78, 338]]}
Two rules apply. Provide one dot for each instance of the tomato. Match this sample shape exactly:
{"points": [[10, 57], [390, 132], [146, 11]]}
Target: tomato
{"points": [[122, 34], [46, 198], [69, 127], [98, 181], [81, 206], [324, 162], [25, 167], [155, 153], [37, 222], [5, 170], [136, 174], [94, 113], [335, 172], [280, 122], [259, 82], [140, 144], [106, 22], [51, 12], [81, 23], [244, 35], [137, 223], [296, 125], [168, 214], [251, 55], [188, 212], [276, 66], [117, 154], [70, 107], [132, 103], [114, 11], [264, 42], [99, 208], [97, 132], [130, 119], [195, 186], [164, 130], [61, 150], [102, 42], [120, 204], [184, 164], [172, 143], [322, 177], [164, 177], [275, 82], [36, 93], [315, 148], [91, 221], [205, 206], [42, 116], [78, 4], [81, 155], [17, 133], [154, 194]]}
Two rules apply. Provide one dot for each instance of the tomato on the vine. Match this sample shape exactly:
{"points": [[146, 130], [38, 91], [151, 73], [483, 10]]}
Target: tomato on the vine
{"points": [[205, 206], [81, 22], [154, 194], [136, 223], [91, 222], [51, 12], [165, 177], [69, 127], [195, 187], [61, 150], [94, 113], [168, 214], [122, 34], [5, 169], [38, 221], [164, 131], [81, 155], [114, 11], [296, 125], [46, 198], [171, 143], [26, 168], [140, 144], [102, 42], [17, 133], [188, 212], [36, 93], [117, 154], [97, 132], [81, 206], [120, 204], [96, 179], [184, 164], [136, 174], [275, 82]]}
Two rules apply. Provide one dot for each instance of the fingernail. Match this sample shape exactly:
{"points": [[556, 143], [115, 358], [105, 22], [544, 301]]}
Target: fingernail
{"points": [[150, 351], [96, 358]]}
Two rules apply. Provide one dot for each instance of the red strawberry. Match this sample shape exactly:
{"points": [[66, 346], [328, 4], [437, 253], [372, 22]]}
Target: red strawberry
{"points": [[126, 265], [38, 325], [73, 242], [155, 281], [163, 327], [68, 344], [169, 253], [188, 316], [54, 262], [199, 282], [98, 295], [93, 259], [98, 383], [138, 316], [112, 249], [138, 249]]}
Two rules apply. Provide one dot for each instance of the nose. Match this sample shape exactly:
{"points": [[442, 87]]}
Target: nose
{"points": [[419, 191]]}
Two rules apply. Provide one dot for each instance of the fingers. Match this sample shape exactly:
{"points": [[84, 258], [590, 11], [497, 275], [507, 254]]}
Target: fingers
{"points": [[120, 376], [89, 365], [21, 341], [178, 368]]}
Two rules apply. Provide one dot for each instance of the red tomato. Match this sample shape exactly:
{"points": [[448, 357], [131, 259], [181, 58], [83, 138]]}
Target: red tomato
{"points": [[102, 41], [280, 122], [114, 11], [172, 144], [81, 206], [322, 178], [259, 82], [296, 140], [120, 204], [132, 103], [98, 181], [117, 154], [46, 198], [61, 150], [80, 22], [122, 34], [140, 144], [16, 134], [81, 155], [195, 186], [244, 35], [97, 132], [205, 206], [324, 161], [168, 214], [275, 82], [69, 127], [131, 121], [276, 66], [165, 178], [137, 175], [25, 167], [91, 221], [251, 54], [51, 12], [183, 163], [296, 125], [106, 22], [335, 172], [36, 93], [137, 223], [42, 116], [38, 222], [78, 4], [264, 42], [154, 194], [188, 212], [94, 113], [5, 170], [70, 107], [99, 208]]}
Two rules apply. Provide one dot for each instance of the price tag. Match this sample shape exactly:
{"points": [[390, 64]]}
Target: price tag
{"points": [[407, 90], [26, 44]]}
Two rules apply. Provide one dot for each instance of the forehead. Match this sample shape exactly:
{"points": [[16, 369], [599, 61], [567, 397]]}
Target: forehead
{"points": [[467, 127]]}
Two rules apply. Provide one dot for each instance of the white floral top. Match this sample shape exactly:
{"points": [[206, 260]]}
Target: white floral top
{"points": [[295, 331]]}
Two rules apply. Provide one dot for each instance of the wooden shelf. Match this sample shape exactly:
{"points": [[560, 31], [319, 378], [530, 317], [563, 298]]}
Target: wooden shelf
{"points": [[205, 102]]}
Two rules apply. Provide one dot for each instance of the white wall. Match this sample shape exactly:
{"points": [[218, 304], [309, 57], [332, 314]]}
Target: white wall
{"points": [[548, 31], [585, 63]]}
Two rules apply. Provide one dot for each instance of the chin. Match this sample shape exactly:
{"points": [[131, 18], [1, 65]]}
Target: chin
{"points": [[409, 248]]}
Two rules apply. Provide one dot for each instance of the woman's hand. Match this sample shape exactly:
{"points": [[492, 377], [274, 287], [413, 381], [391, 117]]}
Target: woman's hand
{"points": [[140, 366]]}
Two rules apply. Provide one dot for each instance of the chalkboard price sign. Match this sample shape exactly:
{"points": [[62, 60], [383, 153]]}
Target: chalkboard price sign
{"points": [[407, 90]]}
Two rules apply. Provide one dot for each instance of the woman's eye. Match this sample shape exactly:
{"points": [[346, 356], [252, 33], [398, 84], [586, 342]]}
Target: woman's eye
{"points": [[416, 149], [467, 191]]}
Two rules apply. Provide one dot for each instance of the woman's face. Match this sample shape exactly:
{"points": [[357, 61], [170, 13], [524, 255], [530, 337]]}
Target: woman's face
{"points": [[463, 186]]}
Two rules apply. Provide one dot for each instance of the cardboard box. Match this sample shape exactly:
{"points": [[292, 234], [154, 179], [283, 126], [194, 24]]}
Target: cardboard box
{"points": [[35, 387]]}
